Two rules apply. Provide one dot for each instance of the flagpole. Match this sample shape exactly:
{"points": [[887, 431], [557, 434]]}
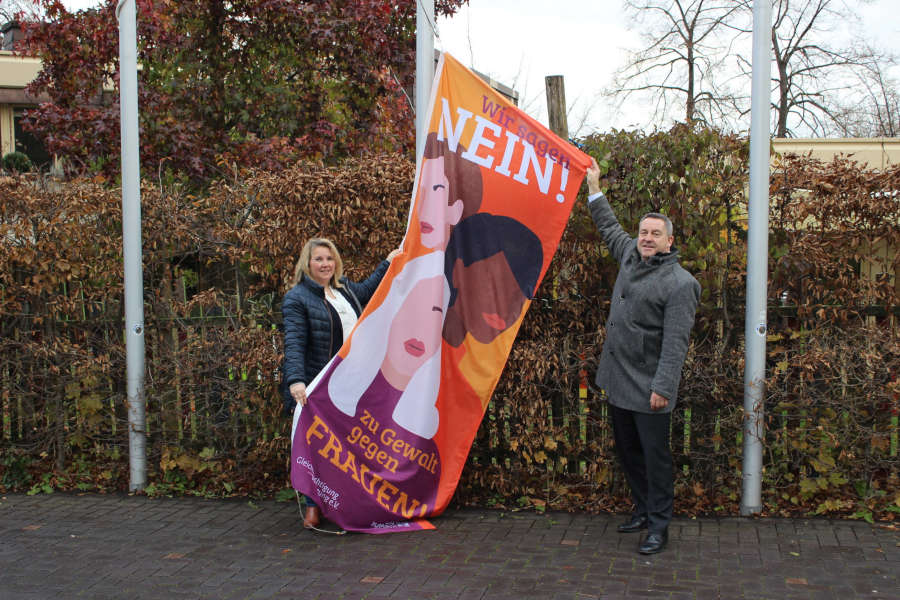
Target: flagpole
{"points": [[755, 327], [131, 244], [424, 69]]}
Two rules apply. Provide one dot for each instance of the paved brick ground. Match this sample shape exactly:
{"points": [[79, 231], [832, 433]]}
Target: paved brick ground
{"points": [[92, 546]]}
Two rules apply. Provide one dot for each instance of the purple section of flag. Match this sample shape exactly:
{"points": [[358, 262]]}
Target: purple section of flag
{"points": [[365, 472]]}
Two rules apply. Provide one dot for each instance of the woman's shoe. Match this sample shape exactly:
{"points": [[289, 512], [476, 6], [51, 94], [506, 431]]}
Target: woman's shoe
{"points": [[312, 517]]}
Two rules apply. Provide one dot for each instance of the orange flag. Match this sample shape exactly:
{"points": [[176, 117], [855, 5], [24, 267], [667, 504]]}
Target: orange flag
{"points": [[384, 437]]}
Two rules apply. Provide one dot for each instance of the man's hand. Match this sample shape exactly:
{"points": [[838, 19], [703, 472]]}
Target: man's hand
{"points": [[592, 175], [298, 392], [658, 402], [393, 253]]}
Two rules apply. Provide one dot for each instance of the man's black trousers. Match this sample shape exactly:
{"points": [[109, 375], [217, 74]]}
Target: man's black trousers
{"points": [[642, 443]]}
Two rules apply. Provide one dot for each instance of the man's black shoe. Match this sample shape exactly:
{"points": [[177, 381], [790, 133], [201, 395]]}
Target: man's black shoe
{"points": [[654, 542], [636, 523]]}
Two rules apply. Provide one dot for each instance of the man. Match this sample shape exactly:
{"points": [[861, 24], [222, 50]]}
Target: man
{"points": [[650, 318]]}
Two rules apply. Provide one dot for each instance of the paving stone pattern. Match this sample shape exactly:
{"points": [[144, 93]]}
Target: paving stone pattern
{"points": [[117, 546]]}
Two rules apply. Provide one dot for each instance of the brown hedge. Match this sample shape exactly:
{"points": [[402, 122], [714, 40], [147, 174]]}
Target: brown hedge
{"points": [[217, 264]]}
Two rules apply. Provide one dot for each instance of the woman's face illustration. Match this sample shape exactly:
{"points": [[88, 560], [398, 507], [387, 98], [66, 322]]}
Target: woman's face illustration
{"points": [[489, 300], [436, 216], [415, 333]]}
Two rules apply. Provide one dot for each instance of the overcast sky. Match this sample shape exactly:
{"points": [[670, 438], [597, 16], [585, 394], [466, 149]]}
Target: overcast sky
{"points": [[519, 42]]}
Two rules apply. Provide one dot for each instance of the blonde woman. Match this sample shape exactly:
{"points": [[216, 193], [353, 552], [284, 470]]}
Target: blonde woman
{"points": [[319, 312]]}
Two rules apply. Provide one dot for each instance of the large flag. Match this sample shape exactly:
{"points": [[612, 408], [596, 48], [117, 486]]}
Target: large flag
{"points": [[390, 421]]}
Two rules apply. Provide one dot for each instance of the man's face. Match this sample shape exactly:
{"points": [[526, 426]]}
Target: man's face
{"points": [[653, 238], [436, 215]]}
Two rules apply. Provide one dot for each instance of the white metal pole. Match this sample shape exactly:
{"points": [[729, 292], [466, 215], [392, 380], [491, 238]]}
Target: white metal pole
{"points": [[131, 244], [757, 262], [424, 69]]}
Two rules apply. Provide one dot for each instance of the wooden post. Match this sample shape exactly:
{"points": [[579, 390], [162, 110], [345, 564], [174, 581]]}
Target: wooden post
{"points": [[556, 105], [556, 111], [555, 87]]}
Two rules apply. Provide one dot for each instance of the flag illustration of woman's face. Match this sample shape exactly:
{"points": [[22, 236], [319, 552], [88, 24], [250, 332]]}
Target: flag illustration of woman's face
{"points": [[437, 213], [490, 300], [415, 332]]}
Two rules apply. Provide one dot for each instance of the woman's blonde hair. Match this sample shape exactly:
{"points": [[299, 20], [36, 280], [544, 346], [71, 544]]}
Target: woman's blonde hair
{"points": [[302, 267]]}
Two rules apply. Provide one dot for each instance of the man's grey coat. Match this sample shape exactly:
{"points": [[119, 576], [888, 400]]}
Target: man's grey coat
{"points": [[650, 319]]}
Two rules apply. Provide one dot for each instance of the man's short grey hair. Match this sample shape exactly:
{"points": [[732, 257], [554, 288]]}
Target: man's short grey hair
{"points": [[661, 217]]}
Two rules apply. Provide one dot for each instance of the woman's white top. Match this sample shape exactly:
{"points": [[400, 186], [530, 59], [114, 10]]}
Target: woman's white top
{"points": [[344, 310]]}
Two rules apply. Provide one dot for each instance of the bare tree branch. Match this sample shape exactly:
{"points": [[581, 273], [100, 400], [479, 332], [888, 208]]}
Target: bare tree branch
{"points": [[812, 73], [874, 110], [686, 43], [692, 60]]}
